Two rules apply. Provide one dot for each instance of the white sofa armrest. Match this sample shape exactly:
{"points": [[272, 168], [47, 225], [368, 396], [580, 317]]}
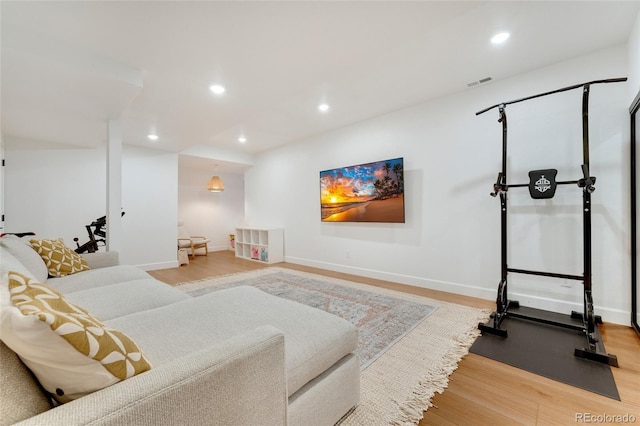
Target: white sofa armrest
{"points": [[101, 259], [239, 382]]}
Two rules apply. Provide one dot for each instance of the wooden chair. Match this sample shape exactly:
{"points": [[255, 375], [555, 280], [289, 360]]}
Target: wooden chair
{"points": [[188, 241]]}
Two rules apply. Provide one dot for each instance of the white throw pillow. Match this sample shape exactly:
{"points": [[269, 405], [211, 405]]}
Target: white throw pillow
{"points": [[71, 352], [26, 255]]}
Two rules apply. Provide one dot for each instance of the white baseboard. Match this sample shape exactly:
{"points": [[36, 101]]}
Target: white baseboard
{"points": [[611, 315], [175, 264], [159, 265], [608, 314]]}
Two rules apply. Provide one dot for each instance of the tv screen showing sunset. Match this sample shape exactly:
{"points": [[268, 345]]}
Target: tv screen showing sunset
{"points": [[372, 192]]}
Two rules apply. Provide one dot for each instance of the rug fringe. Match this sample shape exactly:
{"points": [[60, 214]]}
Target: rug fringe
{"points": [[435, 380]]}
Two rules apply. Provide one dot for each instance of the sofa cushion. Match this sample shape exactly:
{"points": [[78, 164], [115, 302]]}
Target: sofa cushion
{"points": [[60, 259], [21, 395], [101, 259], [71, 352], [116, 300], [314, 339], [8, 262], [25, 254], [97, 278]]}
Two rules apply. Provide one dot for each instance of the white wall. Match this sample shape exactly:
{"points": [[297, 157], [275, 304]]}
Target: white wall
{"points": [[634, 60], [214, 215], [634, 89], [451, 238], [56, 192], [149, 198], [1, 185]]}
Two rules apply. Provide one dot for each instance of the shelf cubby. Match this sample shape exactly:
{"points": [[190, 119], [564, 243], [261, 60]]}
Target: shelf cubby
{"points": [[264, 245]]}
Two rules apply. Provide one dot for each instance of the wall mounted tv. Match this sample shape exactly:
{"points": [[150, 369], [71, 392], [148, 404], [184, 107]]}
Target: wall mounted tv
{"points": [[371, 192]]}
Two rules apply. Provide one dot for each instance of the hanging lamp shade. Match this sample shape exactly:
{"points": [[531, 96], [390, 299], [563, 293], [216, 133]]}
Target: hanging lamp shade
{"points": [[215, 184]]}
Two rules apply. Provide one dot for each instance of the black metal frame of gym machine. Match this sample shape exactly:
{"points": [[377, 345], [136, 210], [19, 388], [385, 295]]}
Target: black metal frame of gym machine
{"points": [[589, 320], [634, 111]]}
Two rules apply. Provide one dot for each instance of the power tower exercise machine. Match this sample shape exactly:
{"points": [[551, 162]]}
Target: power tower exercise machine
{"points": [[542, 185]]}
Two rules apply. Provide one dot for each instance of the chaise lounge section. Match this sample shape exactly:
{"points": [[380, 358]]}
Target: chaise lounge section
{"points": [[232, 357]]}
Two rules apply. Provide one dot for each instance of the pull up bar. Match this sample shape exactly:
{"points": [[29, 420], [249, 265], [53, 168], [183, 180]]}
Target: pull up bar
{"points": [[542, 184], [542, 187], [575, 86]]}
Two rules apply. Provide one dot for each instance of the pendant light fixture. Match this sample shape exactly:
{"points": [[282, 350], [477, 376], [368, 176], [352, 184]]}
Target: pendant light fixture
{"points": [[215, 184]]}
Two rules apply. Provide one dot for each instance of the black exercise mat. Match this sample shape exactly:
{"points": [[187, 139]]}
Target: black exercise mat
{"points": [[547, 351]]}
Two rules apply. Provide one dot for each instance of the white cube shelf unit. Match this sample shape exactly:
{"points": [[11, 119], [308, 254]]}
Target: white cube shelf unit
{"points": [[260, 244]]}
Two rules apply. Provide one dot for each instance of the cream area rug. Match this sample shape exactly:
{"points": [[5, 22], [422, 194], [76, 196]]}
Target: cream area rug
{"points": [[408, 345]]}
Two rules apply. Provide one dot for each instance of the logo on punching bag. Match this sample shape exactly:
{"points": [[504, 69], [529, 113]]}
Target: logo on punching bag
{"points": [[543, 184]]}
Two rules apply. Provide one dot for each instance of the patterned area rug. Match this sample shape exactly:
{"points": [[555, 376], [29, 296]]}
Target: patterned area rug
{"points": [[408, 345], [381, 319]]}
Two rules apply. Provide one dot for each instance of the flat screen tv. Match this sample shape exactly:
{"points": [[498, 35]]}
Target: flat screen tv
{"points": [[371, 192]]}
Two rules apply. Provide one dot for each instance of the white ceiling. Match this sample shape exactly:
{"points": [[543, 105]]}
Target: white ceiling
{"points": [[68, 67]]}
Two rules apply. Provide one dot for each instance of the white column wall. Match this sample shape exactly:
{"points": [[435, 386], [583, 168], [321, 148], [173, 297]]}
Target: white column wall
{"points": [[451, 238], [114, 185]]}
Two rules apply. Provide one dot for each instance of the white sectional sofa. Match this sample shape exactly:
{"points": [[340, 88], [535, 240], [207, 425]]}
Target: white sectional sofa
{"points": [[232, 357]]}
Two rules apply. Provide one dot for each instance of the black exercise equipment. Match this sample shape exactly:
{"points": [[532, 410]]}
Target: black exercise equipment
{"points": [[542, 185], [94, 243], [18, 234], [634, 112]]}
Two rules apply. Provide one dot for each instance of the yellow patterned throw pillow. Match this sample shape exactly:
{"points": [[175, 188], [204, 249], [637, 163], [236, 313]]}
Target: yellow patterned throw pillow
{"points": [[60, 259], [71, 352]]}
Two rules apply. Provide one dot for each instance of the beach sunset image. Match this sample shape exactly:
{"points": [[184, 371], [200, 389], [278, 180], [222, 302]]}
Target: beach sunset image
{"points": [[372, 192]]}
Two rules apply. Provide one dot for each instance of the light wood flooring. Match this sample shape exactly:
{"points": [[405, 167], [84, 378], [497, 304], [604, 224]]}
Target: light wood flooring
{"points": [[481, 391]]}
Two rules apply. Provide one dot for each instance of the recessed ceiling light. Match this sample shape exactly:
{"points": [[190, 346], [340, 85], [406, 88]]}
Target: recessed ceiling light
{"points": [[323, 107], [217, 89], [152, 137], [500, 38], [242, 139]]}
